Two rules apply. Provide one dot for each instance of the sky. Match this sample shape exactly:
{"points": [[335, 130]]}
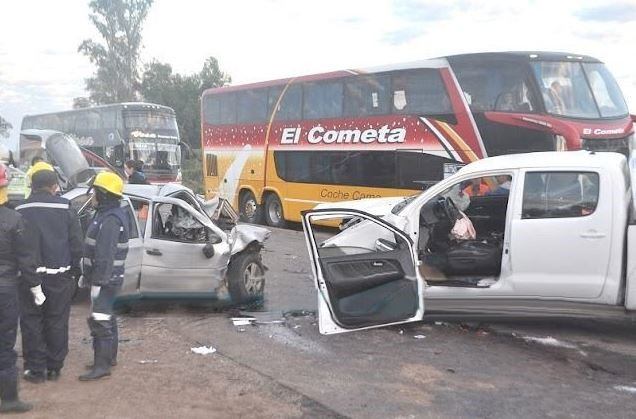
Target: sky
{"points": [[41, 70]]}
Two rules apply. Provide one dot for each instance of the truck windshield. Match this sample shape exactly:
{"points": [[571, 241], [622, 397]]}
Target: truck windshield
{"points": [[579, 90]]}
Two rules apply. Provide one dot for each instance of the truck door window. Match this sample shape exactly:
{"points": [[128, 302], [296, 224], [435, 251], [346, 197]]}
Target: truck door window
{"points": [[559, 194]]}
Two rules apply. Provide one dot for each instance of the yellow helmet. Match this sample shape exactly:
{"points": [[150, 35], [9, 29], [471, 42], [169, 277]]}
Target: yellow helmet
{"points": [[39, 166], [110, 182]]}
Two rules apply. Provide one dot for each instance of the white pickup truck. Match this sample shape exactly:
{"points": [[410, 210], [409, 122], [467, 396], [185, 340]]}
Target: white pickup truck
{"points": [[529, 235]]}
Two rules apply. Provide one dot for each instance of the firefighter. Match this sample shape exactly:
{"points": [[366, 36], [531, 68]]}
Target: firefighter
{"points": [[16, 254], [105, 250], [59, 251]]}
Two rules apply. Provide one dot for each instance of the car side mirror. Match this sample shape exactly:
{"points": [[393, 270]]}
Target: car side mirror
{"points": [[384, 245], [208, 250]]}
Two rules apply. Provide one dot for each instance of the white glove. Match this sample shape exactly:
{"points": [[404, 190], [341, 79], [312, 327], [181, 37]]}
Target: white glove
{"points": [[38, 295], [95, 292], [80, 282]]}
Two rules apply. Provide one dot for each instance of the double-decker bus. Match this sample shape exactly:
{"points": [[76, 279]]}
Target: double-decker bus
{"points": [[277, 148], [121, 132], [543, 101]]}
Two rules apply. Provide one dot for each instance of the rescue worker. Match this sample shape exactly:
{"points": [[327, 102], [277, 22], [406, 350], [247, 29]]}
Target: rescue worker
{"points": [[58, 233], [105, 250], [135, 171], [16, 254], [37, 164]]}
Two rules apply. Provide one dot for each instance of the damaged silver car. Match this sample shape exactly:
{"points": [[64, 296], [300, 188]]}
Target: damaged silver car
{"points": [[181, 246]]}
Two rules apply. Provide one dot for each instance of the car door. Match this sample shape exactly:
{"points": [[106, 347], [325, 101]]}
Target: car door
{"points": [[174, 261], [561, 234], [366, 275], [135, 253]]}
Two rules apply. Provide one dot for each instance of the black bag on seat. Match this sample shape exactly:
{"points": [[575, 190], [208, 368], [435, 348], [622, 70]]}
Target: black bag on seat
{"points": [[473, 257]]}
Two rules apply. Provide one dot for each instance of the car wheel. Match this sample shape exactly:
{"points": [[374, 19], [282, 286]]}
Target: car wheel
{"points": [[274, 211], [246, 277], [250, 211]]}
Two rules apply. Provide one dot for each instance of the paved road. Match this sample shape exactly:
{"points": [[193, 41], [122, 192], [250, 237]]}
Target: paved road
{"points": [[435, 369]]}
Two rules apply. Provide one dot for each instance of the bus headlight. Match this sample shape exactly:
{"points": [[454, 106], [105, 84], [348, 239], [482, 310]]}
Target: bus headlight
{"points": [[560, 144]]}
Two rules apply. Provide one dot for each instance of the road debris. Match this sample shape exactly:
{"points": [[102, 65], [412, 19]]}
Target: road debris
{"points": [[149, 361], [549, 341], [419, 337], [203, 350], [243, 321], [627, 389]]}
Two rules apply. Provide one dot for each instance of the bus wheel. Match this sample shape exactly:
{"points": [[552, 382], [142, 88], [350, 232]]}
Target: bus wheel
{"points": [[274, 211], [250, 211]]}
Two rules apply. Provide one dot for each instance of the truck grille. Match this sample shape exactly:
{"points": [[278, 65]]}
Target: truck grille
{"points": [[617, 145]]}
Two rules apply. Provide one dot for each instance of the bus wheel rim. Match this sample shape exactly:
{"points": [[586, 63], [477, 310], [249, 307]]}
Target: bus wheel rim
{"points": [[275, 212]]}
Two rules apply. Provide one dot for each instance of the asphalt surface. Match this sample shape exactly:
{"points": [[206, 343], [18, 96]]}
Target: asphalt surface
{"points": [[282, 367]]}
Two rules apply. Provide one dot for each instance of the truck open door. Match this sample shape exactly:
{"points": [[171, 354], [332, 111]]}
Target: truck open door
{"points": [[366, 278]]}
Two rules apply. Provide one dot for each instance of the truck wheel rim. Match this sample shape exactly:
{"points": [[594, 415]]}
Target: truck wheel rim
{"points": [[253, 278]]}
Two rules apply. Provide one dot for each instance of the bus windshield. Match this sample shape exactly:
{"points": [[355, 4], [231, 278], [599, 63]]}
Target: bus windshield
{"points": [[153, 138], [579, 90]]}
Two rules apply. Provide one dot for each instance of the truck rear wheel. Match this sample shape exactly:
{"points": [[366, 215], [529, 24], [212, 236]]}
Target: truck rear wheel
{"points": [[250, 211], [274, 215]]}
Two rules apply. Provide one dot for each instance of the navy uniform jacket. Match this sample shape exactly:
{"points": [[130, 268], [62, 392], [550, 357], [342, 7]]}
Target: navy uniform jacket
{"points": [[57, 232]]}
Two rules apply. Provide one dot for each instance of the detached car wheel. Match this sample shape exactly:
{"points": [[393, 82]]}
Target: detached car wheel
{"points": [[274, 211], [250, 211], [246, 277]]}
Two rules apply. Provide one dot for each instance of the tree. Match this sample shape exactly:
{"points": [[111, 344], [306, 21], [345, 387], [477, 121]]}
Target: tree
{"points": [[5, 128], [182, 93], [119, 22], [81, 102]]}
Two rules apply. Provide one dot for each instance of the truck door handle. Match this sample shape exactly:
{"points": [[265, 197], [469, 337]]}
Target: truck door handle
{"points": [[592, 234], [154, 252]]}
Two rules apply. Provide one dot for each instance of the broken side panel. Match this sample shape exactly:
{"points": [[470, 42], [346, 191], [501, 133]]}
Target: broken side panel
{"points": [[366, 275]]}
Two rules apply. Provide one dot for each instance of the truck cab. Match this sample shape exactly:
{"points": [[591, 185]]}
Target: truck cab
{"points": [[520, 235]]}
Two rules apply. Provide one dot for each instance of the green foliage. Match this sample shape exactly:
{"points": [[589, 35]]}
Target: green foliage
{"points": [[5, 128], [119, 22], [182, 93], [192, 171]]}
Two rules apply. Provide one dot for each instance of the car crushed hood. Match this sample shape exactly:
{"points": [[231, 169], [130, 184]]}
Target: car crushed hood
{"points": [[374, 206], [244, 234]]}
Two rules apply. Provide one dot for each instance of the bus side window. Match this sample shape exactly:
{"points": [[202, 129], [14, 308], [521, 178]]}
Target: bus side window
{"points": [[290, 105], [227, 114], [322, 100], [251, 106], [367, 95], [420, 92], [212, 109]]}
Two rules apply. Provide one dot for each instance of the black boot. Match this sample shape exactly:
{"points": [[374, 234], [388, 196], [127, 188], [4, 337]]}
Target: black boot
{"points": [[101, 366], [9, 396]]}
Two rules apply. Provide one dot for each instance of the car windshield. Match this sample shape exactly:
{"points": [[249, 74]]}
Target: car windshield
{"points": [[579, 90]]}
